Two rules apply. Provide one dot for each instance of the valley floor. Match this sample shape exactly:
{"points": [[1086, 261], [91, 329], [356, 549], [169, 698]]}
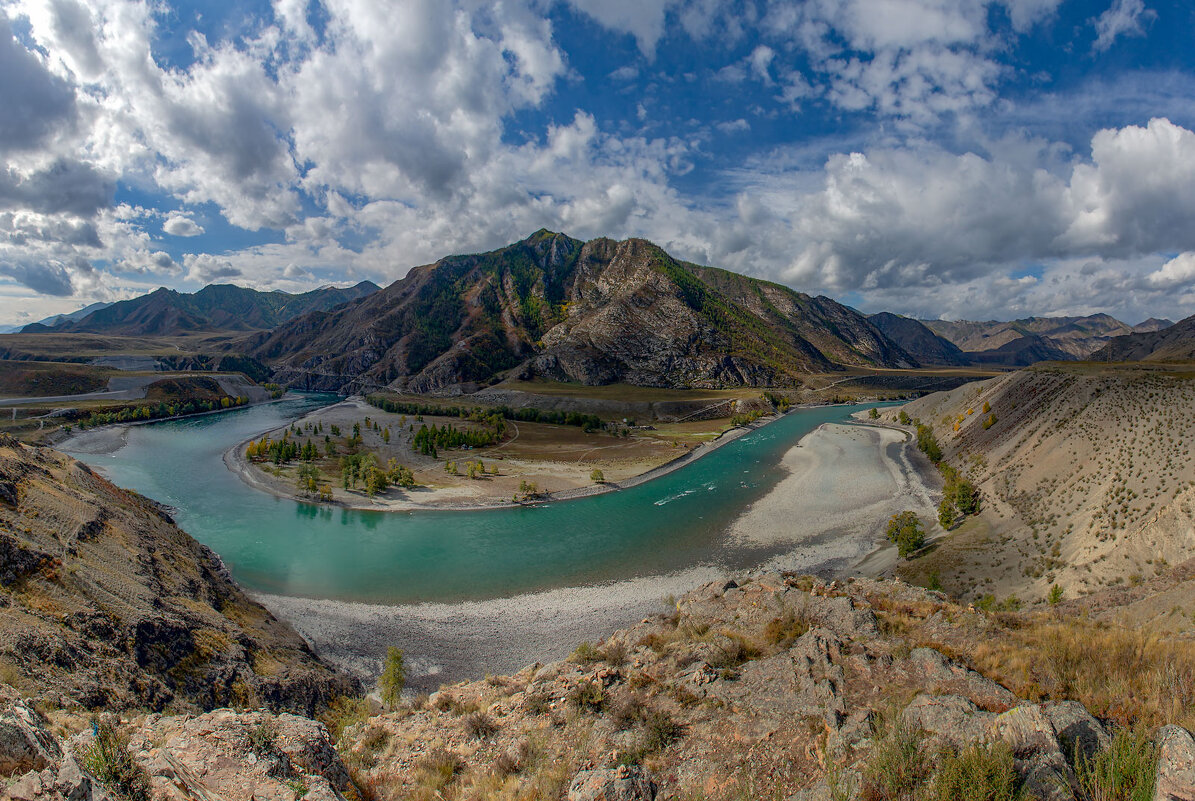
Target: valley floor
{"points": [[826, 516]]}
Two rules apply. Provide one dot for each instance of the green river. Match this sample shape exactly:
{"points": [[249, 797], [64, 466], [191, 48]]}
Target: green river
{"points": [[284, 547]]}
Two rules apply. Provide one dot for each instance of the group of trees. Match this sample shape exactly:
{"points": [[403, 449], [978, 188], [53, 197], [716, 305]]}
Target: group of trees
{"points": [[361, 468], [473, 469], [588, 422], [959, 497], [160, 411], [310, 484], [430, 440], [278, 451]]}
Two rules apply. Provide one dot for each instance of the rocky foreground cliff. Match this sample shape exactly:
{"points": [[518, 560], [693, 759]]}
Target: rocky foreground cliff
{"points": [[106, 604], [594, 312], [774, 686]]}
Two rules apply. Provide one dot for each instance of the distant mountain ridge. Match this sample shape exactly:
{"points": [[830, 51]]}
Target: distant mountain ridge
{"points": [[592, 312], [1175, 343], [217, 307], [1047, 338], [919, 341]]}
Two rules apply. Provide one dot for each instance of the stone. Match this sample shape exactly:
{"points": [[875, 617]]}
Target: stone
{"points": [[1027, 730], [624, 783], [25, 743], [1176, 765], [951, 717], [1078, 731]]}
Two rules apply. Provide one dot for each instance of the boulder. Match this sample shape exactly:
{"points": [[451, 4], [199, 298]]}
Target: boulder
{"points": [[623, 783], [1078, 732], [951, 717], [1176, 765], [25, 742]]}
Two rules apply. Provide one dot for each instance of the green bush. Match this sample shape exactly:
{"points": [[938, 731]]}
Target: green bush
{"points": [[1124, 771], [109, 760], [904, 529], [897, 765], [980, 773]]}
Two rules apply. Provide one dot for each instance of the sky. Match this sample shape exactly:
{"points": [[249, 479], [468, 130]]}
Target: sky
{"points": [[955, 159]]}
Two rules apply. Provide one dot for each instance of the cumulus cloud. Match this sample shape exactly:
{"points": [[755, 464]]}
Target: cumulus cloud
{"points": [[181, 225], [206, 268], [36, 102], [50, 278], [145, 262], [1178, 272], [1123, 18]]}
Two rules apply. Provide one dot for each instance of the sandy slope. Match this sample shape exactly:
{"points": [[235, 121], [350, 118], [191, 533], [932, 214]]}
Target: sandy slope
{"points": [[1086, 473]]}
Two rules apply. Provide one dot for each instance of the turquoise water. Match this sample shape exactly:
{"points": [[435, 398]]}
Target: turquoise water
{"points": [[280, 546]]}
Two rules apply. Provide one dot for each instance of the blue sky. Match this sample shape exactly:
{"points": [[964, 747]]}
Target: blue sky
{"points": [[966, 159]]}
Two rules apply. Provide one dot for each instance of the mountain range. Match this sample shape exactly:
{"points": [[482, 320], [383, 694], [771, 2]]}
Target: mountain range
{"points": [[218, 307], [598, 312]]}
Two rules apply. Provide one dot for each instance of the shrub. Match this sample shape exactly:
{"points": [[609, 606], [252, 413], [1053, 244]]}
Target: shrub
{"points": [[587, 697], [586, 654], [1124, 771], [904, 418], [597, 477], [897, 763], [874, 414], [263, 738], [947, 516], [980, 773], [927, 443], [479, 725], [343, 712], [109, 760], [1055, 595], [784, 630], [614, 652], [904, 529]]}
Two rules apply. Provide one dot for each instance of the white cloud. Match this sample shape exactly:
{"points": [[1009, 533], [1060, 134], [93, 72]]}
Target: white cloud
{"points": [[205, 268], [181, 225], [1178, 272], [1122, 18]]}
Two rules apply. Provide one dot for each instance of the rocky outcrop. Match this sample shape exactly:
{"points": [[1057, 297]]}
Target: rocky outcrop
{"points": [[623, 783], [592, 312], [105, 603], [220, 755]]}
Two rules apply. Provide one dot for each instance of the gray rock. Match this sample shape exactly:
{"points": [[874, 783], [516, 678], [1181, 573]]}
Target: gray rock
{"points": [[951, 717], [72, 783], [1078, 732], [1027, 730], [1176, 765], [623, 783], [25, 744]]}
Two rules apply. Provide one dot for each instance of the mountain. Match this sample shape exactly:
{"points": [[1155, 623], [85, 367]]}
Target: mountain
{"points": [[1022, 352], [218, 307], [57, 319], [1152, 324], [593, 312], [1074, 337], [1175, 343], [919, 341], [105, 602]]}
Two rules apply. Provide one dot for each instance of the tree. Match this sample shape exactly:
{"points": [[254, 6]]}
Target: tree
{"points": [[874, 414], [966, 497], [904, 418], [393, 678], [597, 477], [947, 515], [308, 479], [905, 530], [1055, 595]]}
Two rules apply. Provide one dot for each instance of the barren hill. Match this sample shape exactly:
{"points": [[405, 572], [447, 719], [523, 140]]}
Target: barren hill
{"points": [[105, 603], [916, 339], [1085, 471], [1066, 337], [593, 312]]}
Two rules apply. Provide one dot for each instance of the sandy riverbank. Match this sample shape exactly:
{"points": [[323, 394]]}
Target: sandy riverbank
{"points": [[456, 498], [825, 516]]}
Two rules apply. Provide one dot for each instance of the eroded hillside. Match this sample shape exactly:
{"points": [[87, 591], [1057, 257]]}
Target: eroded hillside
{"points": [[105, 603], [1086, 472]]}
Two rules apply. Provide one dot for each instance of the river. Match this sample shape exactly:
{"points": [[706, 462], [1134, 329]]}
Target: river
{"points": [[283, 547]]}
